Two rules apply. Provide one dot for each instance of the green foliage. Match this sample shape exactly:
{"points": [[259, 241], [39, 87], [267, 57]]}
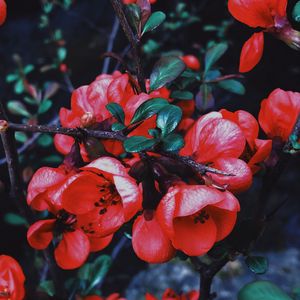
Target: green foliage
{"points": [[47, 286], [148, 109], [154, 21], [166, 70], [168, 119], [21, 137], [296, 12], [257, 264], [45, 140], [232, 86], [172, 142], [18, 108], [15, 219], [44, 106], [214, 54], [138, 144], [182, 95], [117, 111], [262, 290]]}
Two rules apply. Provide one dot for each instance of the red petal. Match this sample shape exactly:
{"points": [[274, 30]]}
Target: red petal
{"points": [[63, 143], [194, 239], [108, 165], [99, 243], [150, 242], [150, 297], [73, 250], [3, 11], [93, 297], [246, 122], [252, 52], [220, 138], [68, 118], [193, 295], [192, 138], [279, 113], [130, 194], [7, 263], [230, 202], [257, 13], [40, 234], [80, 196], [79, 102], [242, 179], [263, 150], [224, 220]]}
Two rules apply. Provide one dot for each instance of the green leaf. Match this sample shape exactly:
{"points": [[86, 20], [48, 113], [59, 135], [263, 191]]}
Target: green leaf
{"points": [[14, 219], [21, 137], [173, 142], [61, 53], [52, 159], [138, 144], [28, 69], [168, 119], [296, 12], [257, 264], [232, 86], [262, 290], [94, 272], [214, 54], [134, 13], [45, 106], [30, 100], [18, 108], [117, 111], [182, 95], [154, 132], [45, 140], [154, 21], [19, 87], [166, 70], [148, 109], [47, 286], [117, 127], [212, 74], [11, 77]]}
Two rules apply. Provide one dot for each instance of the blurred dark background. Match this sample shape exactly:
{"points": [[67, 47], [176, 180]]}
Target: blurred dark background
{"points": [[86, 27]]}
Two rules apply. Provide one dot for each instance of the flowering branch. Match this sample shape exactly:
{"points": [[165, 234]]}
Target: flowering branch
{"points": [[134, 42]]}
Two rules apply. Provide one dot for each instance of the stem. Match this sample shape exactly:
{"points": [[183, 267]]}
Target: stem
{"points": [[134, 42], [225, 77]]}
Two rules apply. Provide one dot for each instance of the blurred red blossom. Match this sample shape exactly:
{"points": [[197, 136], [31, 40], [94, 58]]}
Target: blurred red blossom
{"points": [[169, 294], [3, 11], [11, 279]]}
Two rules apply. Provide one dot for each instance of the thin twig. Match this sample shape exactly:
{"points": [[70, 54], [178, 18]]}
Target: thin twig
{"points": [[225, 77], [110, 45], [134, 42]]}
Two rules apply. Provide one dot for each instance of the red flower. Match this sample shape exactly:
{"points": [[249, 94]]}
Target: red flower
{"points": [[169, 294], [278, 114], [269, 15], [220, 142], [149, 241], [88, 109], [11, 279], [114, 296], [257, 150], [195, 217], [3, 11], [103, 195], [191, 62], [76, 239]]}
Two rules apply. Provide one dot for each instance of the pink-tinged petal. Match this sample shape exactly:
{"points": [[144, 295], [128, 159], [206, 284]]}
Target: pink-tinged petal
{"points": [[263, 150], [254, 13], [191, 199], [242, 179], [252, 52], [40, 234], [220, 138], [99, 243], [80, 196], [63, 143], [73, 250], [131, 195], [192, 138], [149, 241], [279, 113], [224, 221], [194, 238], [79, 102], [107, 165], [120, 91], [68, 118], [230, 202], [43, 179], [246, 122], [132, 105]]}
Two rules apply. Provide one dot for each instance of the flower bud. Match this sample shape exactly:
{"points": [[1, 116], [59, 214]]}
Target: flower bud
{"points": [[87, 120], [3, 125]]}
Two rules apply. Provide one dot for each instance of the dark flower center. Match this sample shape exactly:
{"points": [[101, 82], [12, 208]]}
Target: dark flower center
{"points": [[64, 222], [201, 217]]}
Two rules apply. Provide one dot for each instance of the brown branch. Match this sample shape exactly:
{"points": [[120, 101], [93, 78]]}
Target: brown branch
{"points": [[225, 77], [134, 42]]}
